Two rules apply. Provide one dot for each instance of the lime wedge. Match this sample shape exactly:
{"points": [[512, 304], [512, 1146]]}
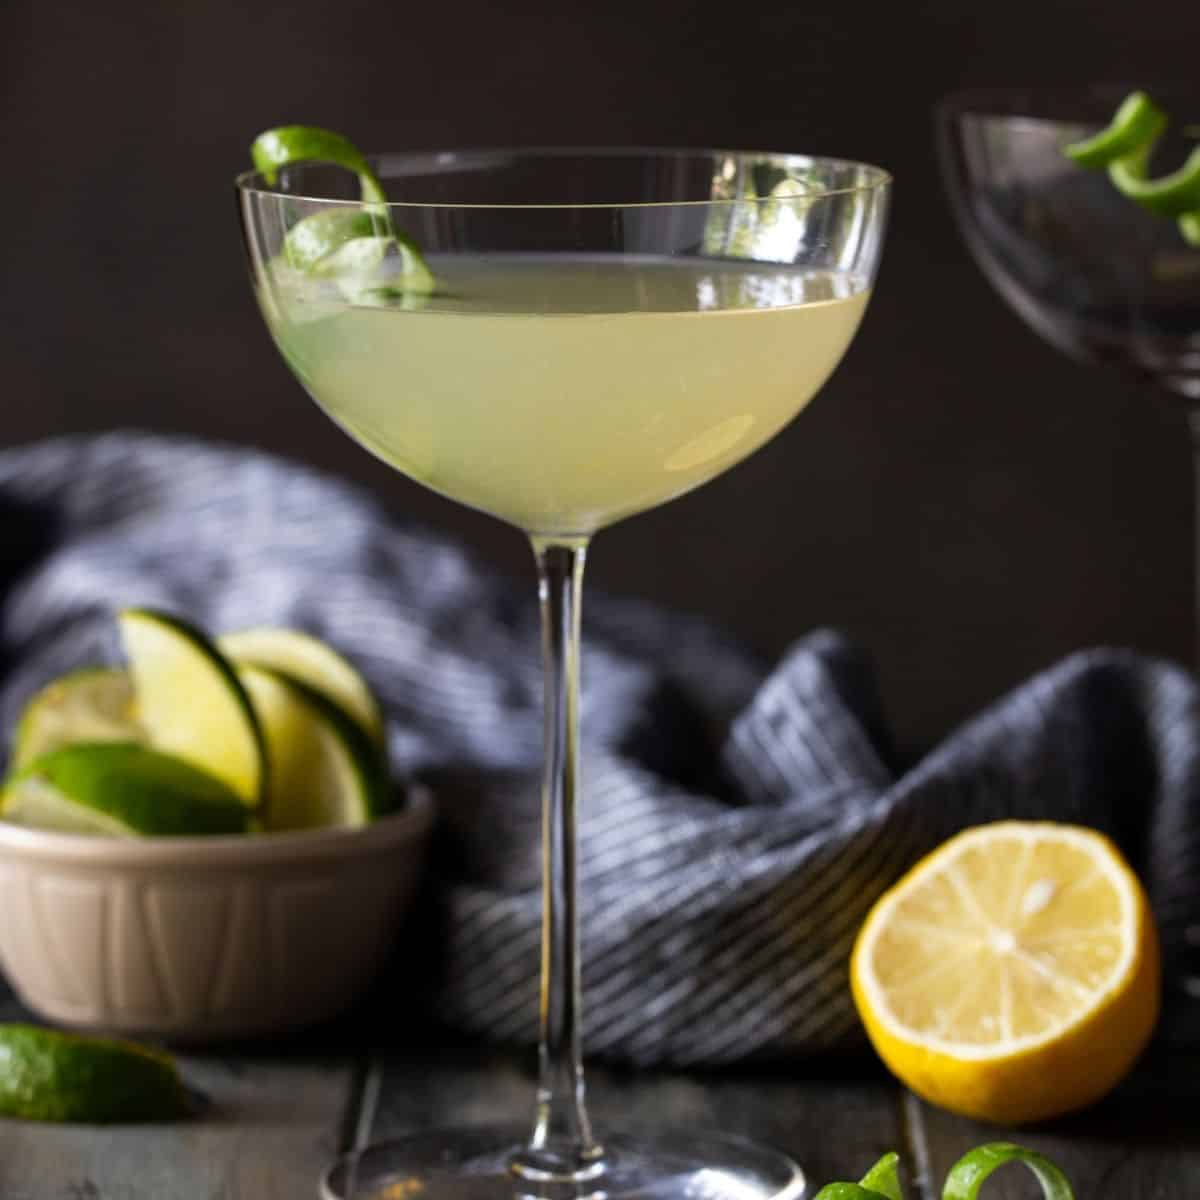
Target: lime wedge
{"points": [[119, 789], [93, 705], [50, 1076], [324, 769], [310, 661], [190, 701]]}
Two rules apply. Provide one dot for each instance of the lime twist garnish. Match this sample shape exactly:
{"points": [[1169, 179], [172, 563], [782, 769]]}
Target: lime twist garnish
{"points": [[343, 243], [881, 1182], [1125, 147], [966, 1177]]}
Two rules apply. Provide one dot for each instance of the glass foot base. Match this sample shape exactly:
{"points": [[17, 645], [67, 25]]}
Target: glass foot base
{"points": [[474, 1164]]}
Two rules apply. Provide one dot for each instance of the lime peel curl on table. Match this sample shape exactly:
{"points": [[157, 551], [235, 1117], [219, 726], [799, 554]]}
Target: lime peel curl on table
{"points": [[966, 1177], [345, 244], [1124, 148]]}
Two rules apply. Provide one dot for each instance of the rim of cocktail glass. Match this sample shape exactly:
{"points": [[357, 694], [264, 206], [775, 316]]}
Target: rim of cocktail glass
{"points": [[253, 182], [1072, 105]]}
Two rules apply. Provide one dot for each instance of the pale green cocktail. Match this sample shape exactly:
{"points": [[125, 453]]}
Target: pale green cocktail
{"points": [[562, 393]]}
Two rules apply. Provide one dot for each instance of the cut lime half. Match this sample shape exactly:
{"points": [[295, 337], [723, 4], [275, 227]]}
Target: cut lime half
{"points": [[96, 704], [119, 789], [50, 1076], [324, 769], [190, 701], [309, 660]]}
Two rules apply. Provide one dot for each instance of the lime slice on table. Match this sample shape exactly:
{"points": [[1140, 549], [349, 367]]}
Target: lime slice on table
{"points": [[191, 702], [312, 662], [96, 704], [324, 769], [120, 789], [50, 1076]]}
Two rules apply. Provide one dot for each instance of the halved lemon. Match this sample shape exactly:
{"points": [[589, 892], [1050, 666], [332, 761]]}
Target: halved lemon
{"points": [[1013, 974]]}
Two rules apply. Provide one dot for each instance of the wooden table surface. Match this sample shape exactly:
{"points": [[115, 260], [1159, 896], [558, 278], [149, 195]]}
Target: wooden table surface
{"points": [[277, 1115]]}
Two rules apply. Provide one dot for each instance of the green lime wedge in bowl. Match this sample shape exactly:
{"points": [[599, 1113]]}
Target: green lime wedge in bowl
{"points": [[50, 1076], [311, 661], [120, 789], [325, 771], [96, 704], [191, 702]]}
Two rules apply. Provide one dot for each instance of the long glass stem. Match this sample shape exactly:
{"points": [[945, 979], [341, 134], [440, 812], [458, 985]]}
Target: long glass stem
{"points": [[1191, 967], [562, 1145], [1193, 417]]}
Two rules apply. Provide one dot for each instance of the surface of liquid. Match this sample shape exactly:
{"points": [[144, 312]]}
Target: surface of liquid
{"points": [[563, 393]]}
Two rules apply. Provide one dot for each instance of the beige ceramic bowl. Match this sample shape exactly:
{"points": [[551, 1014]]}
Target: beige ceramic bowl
{"points": [[211, 937]]}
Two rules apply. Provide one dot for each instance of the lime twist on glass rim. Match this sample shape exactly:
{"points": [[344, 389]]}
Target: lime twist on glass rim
{"points": [[1125, 147]]}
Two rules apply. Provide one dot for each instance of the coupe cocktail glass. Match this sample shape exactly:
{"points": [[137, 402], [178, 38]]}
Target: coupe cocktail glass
{"points": [[1091, 271], [610, 329]]}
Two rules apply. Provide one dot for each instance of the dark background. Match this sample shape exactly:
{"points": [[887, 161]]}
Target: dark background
{"points": [[966, 502]]}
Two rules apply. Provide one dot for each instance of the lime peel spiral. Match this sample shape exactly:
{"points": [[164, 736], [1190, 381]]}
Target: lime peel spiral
{"points": [[966, 1177], [1124, 148], [339, 241]]}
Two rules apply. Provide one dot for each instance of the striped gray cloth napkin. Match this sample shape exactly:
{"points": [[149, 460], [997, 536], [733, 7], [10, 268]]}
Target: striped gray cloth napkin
{"points": [[737, 823]]}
